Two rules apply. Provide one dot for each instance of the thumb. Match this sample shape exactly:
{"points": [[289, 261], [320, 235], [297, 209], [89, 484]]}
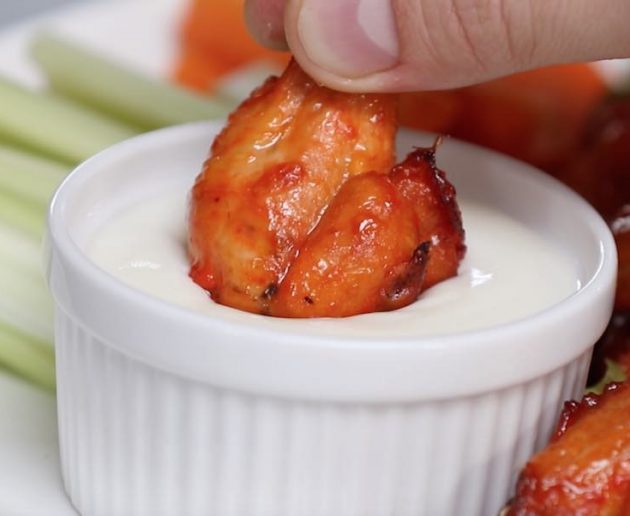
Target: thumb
{"points": [[400, 45]]}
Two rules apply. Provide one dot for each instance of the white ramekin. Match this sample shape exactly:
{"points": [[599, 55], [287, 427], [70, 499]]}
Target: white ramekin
{"points": [[167, 412]]}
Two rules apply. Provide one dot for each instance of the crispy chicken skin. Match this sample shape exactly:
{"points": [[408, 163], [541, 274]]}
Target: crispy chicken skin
{"points": [[435, 205], [586, 468], [384, 238], [299, 213]]}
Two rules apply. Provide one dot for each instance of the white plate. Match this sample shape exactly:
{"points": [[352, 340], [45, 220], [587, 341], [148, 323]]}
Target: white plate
{"points": [[140, 33]]}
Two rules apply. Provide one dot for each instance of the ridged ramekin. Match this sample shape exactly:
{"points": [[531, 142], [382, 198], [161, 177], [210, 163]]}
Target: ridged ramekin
{"points": [[163, 411]]}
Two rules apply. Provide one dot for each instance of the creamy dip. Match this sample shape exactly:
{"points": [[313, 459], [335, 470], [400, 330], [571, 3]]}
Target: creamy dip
{"points": [[509, 272]]}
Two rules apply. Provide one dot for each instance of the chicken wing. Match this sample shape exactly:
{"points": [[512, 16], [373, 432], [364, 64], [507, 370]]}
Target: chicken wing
{"points": [[621, 229], [586, 469], [298, 205], [275, 167], [384, 239]]}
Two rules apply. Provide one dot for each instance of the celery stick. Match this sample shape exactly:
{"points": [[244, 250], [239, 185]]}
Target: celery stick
{"points": [[22, 215], [27, 356], [25, 302], [26, 329], [53, 126], [29, 177], [20, 250], [118, 91]]}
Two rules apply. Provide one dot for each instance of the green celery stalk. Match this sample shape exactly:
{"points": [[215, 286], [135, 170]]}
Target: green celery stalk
{"points": [[22, 215], [28, 177], [26, 310], [93, 80], [54, 126], [25, 303], [19, 249], [27, 356]]}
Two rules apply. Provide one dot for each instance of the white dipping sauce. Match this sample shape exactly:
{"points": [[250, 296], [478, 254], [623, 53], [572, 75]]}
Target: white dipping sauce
{"points": [[509, 272]]}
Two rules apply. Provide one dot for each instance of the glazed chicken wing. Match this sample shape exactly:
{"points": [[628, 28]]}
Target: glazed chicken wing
{"points": [[298, 206], [281, 158], [586, 469], [384, 238], [621, 230]]}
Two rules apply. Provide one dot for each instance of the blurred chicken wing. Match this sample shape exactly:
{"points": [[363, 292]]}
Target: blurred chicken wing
{"points": [[586, 469], [621, 230]]}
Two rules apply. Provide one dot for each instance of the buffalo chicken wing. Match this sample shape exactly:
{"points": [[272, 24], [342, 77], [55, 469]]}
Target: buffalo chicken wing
{"points": [[299, 213], [586, 468]]}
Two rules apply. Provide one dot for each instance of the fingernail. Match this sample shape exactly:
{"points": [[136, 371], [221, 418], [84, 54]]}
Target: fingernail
{"points": [[350, 38]]}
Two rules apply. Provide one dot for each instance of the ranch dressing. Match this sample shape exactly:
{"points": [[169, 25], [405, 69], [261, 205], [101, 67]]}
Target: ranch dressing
{"points": [[509, 272]]}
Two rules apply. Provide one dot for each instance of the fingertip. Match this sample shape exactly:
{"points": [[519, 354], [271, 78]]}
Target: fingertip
{"points": [[345, 49], [401, 78], [365, 46]]}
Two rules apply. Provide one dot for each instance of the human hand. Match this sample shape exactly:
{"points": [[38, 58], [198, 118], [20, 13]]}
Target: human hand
{"points": [[404, 45]]}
